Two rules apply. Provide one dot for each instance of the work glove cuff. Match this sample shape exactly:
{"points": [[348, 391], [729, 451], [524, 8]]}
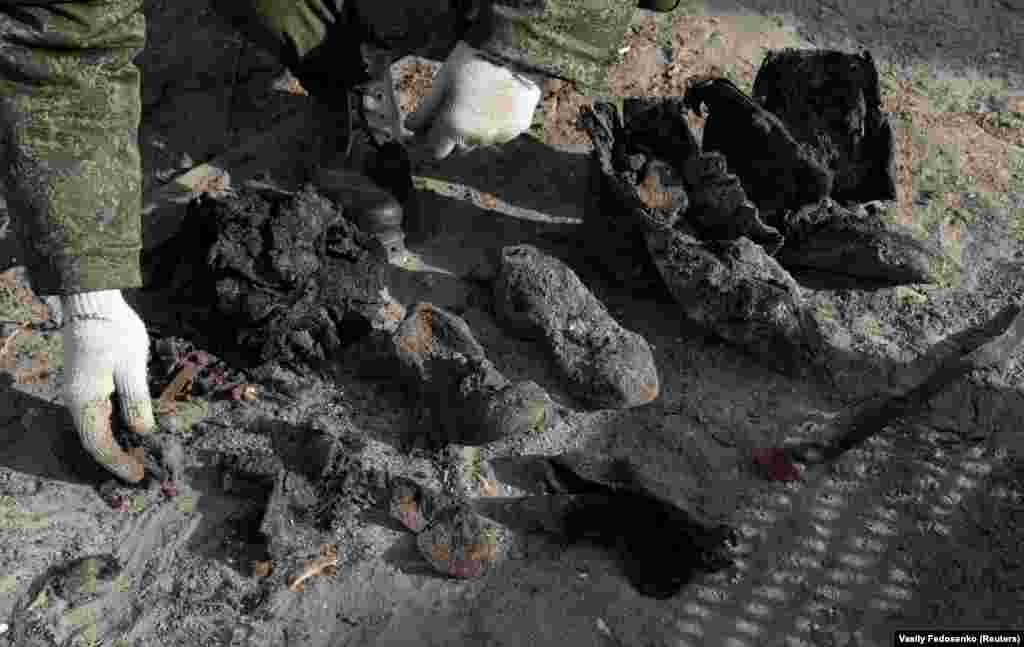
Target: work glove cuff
{"points": [[465, 52], [98, 304]]}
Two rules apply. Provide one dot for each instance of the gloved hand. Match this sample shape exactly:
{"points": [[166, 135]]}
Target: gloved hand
{"points": [[473, 102], [105, 350]]}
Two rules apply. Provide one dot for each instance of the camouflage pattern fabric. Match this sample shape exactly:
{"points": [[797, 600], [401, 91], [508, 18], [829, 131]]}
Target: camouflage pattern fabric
{"points": [[574, 40], [70, 100], [69, 117], [318, 40]]}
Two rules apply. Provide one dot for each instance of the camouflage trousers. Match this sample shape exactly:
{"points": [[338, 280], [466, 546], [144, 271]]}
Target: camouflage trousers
{"points": [[70, 106], [70, 96], [69, 155]]}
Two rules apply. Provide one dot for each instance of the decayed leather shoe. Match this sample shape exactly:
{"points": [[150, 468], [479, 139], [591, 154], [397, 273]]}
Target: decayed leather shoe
{"points": [[371, 182], [371, 208]]}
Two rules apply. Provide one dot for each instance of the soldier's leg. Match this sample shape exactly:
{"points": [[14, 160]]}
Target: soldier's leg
{"points": [[318, 40], [323, 44], [69, 117]]}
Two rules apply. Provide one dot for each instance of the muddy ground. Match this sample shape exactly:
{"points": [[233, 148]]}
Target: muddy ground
{"points": [[919, 528]]}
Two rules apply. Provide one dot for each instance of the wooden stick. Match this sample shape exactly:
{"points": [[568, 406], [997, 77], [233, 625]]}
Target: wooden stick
{"points": [[874, 418], [165, 405], [326, 564]]}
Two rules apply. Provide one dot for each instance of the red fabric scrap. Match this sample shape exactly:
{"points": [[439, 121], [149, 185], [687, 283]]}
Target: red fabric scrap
{"points": [[774, 465]]}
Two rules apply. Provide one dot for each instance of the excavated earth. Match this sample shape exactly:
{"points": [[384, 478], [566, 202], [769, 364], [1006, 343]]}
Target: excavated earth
{"points": [[919, 527]]}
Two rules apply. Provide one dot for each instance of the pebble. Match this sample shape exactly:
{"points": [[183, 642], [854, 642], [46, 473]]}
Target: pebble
{"points": [[664, 54]]}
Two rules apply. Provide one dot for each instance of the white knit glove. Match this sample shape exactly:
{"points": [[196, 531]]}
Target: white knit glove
{"points": [[105, 350], [473, 102]]}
